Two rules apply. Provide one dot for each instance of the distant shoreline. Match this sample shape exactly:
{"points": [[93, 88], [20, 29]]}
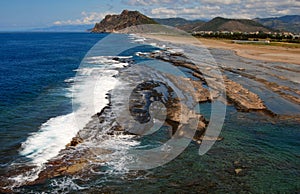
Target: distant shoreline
{"points": [[257, 52]]}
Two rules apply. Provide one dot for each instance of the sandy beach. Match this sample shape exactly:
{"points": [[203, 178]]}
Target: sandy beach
{"points": [[257, 52]]}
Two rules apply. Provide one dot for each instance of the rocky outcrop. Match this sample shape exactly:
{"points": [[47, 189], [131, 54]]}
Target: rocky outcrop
{"points": [[242, 98], [114, 23], [284, 91], [81, 154]]}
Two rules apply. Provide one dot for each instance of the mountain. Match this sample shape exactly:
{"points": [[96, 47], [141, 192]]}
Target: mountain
{"points": [[232, 25], [175, 21], [65, 28], [216, 24], [290, 23], [181, 23], [112, 23], [192, 26]]}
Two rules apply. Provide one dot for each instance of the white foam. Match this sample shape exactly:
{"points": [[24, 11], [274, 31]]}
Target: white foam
{"points": [[70, 80], [120, 157], [154, 44], [64, 185], [108, 60], [139, 40], [136, 39], [89, 90], [141, 53], [50, 139], [173, 51]]}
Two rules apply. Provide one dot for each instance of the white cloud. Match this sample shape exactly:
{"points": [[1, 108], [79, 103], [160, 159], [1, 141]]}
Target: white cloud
{"points": [[220, 2], [192, 9], [149, 2], [87, 18]]}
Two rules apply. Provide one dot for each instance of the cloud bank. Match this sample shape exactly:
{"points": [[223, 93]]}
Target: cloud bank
{"points": [[196, 9], [87, 18], [193, 9]]}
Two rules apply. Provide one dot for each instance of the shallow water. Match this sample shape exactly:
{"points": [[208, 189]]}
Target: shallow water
{"points": [[267, 71]]}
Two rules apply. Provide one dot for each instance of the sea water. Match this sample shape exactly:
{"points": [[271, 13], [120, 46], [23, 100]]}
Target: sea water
{"points": [[44, 90]]}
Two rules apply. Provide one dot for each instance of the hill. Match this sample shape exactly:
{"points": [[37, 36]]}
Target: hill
{"points": [[232, 25], [175, 21], [180, 23], [290, 23], [192, 27], [113, 23]]}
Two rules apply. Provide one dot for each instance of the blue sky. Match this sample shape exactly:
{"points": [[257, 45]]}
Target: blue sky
{"points": [[26, 14]]}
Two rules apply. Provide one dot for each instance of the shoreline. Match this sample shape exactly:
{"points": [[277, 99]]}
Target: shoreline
{"points": [[97, 154], [274, 79], [257, 52]]}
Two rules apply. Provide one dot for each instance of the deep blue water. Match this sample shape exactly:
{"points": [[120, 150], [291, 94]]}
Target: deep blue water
{"points": [[34, 68]]}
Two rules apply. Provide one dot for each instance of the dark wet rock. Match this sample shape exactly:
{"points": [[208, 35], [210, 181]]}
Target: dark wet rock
{"points": [[69, 164], [75, 141], [3, 190]]}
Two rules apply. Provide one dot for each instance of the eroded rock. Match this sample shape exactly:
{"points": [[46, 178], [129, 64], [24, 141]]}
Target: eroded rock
{"points": [[242, 98]]}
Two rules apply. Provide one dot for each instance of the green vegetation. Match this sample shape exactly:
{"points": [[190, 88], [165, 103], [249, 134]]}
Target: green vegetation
{"points": [[272, 37], [284, 44]]}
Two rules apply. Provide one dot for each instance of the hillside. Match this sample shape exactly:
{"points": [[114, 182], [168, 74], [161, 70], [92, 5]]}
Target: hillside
{"points": [[290, 23], [192, 27], [113, 23], [175, 21], [180, 23], [232, 25]]}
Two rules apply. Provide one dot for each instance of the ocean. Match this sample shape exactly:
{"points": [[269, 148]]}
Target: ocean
{"points": [[51, 84]]}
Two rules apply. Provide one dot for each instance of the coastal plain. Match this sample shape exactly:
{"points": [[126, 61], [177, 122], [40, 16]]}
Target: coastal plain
{"points": [[283, 53]]}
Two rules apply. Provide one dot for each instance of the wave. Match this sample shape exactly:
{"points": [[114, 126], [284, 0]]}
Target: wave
{"points": [[94, 79]]}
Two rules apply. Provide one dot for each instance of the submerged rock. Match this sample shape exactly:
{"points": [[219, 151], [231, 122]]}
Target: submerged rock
{"points": [[238, 171]]}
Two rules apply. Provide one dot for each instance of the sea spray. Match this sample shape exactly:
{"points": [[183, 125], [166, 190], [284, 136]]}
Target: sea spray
{"points": [[93, 81]]}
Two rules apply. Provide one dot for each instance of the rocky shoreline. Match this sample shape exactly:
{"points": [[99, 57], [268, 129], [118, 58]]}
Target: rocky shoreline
{"points": [[79, 157], [242, 98], [79, 160]]}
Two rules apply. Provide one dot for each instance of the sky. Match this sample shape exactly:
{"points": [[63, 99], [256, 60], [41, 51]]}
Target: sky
{"points": [[28, 14]]}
